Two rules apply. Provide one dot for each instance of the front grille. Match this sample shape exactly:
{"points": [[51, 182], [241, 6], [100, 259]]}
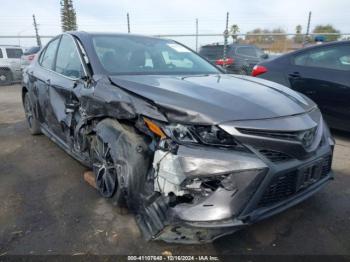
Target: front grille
{"points": [[286, 185], [275, 156], [268, 133], [326, 166]]}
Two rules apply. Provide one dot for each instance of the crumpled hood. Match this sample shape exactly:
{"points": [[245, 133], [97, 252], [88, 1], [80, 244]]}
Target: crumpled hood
{"points": [[214, 99]]}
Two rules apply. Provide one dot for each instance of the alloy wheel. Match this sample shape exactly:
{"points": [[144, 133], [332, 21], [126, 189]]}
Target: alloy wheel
{"points": [[104, 168]]}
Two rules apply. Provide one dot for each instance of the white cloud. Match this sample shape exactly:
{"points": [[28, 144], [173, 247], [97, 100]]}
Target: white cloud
{"points": [[175, 16]]}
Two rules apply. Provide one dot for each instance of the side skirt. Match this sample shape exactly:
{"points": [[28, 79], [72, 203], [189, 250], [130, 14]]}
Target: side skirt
{"points": [[54, 138]]}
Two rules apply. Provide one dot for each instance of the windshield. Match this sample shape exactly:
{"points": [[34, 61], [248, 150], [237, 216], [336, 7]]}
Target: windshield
{"points": [[144, 55]]}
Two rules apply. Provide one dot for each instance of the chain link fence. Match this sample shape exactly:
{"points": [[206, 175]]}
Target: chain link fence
{"points": [[272, 42]]}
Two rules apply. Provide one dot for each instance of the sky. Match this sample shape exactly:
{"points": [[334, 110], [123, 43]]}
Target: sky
{"points": [[152, 17]]}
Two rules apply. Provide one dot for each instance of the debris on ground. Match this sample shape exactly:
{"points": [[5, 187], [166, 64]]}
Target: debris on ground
{"points": [[89, 177], [167, 253]]}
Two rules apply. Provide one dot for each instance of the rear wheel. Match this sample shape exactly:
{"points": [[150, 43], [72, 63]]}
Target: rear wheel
{"points": [[33, 123], [5, 76]]}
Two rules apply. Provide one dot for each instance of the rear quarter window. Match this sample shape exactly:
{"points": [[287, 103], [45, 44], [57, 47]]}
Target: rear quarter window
{"points": [[14, 52], [1, 56]]}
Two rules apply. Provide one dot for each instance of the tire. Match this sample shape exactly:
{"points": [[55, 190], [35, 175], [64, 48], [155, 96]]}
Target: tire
{"points": [[242, 72], [120, 163], [33, 123], [5, 76]]}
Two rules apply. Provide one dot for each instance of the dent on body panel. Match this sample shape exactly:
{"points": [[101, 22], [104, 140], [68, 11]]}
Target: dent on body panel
{"points": [[57, 101], [197, 184], [105, 99]]}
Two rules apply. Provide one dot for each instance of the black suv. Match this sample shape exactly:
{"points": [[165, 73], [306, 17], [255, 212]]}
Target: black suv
{"points": [[240, 58]]}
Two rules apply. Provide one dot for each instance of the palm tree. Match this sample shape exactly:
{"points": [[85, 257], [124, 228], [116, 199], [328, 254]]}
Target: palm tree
{"points": [[233, 31]]}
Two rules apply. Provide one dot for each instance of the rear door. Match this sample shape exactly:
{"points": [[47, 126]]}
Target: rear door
{"points": [[323, 74], [40, 76]]}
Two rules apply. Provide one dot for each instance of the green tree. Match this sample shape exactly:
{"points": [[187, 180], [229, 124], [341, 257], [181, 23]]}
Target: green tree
{"points": [[265, 36], [233, 31], [258, 36], [282, 34], [298, 38], [320, 29], [68, 16]]}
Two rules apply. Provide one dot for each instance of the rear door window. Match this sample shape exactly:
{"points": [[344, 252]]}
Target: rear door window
{"points": [[14, 52], [48, 57], [1, 56], [331, 57]]}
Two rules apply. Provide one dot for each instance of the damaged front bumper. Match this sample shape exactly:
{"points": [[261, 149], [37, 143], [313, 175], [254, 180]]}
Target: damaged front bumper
{"points": [[207, 192]]}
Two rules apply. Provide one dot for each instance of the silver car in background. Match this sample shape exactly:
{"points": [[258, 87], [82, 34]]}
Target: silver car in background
{"points": [[10, 64]]}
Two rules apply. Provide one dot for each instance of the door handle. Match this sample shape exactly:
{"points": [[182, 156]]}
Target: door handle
{"points": [[294, 75], [310, 92]]}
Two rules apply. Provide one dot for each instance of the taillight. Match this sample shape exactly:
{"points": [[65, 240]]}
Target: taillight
{"points": [[31, 57], [227, 61], [258, 70]]}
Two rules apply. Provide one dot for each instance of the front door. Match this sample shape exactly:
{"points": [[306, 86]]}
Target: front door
{"points": [[66, 80]]}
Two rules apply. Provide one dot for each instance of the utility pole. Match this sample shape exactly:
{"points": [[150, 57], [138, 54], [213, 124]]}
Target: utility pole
{"points": [[307, 29], [38, 41], [196, 34], [225, 40], [128, 21]]}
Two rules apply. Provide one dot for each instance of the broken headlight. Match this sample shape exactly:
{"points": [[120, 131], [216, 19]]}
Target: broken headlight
{"points": [[209, 135], [213, 135]]}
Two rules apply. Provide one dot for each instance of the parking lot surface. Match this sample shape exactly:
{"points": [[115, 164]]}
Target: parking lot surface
{"points": [[47, 208]]}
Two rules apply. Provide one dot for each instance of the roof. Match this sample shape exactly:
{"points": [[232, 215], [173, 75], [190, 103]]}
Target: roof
{"points": [[84, 34]]}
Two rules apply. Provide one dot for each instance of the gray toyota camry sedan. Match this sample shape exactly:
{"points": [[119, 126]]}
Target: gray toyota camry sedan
{"points": [[194, 153]]}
